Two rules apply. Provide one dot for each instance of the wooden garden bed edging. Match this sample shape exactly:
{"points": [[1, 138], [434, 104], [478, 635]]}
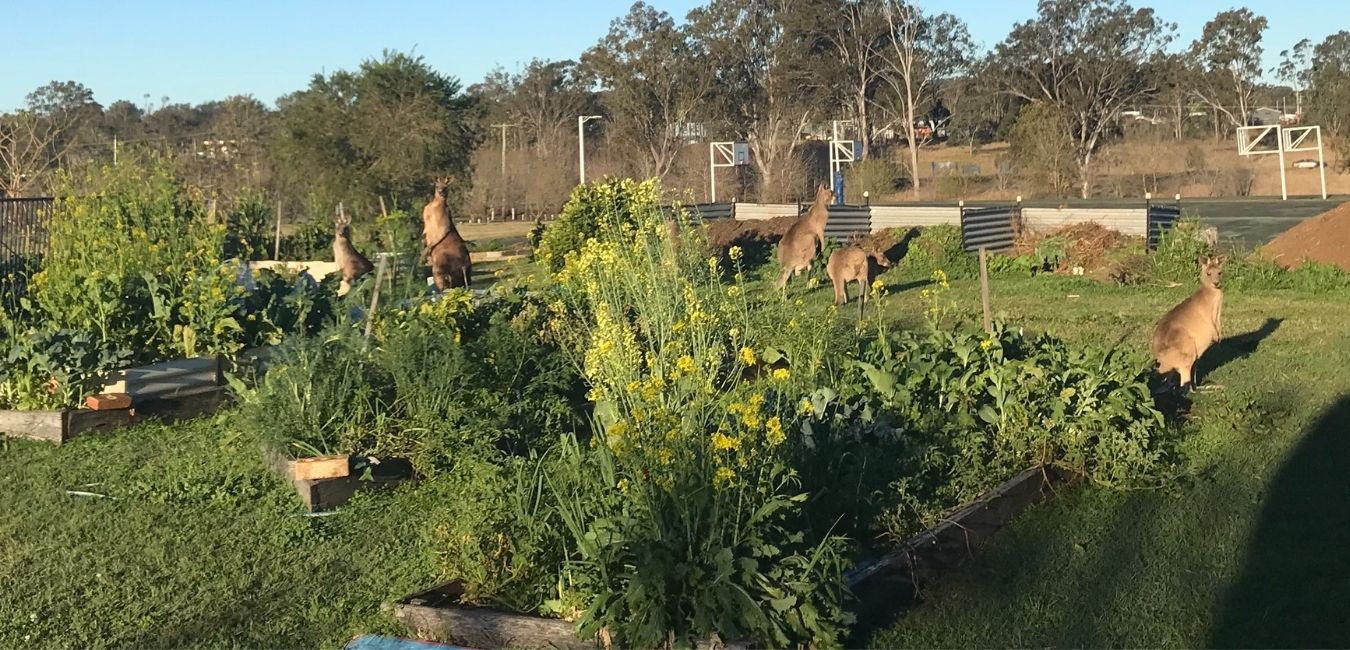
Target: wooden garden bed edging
{"points": [[173, 390], [437, 613], [946, 545], [328, 482]]}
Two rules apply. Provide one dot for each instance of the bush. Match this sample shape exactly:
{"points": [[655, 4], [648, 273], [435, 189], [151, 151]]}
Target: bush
{"points": [[601, 209], [311, 241], [136, 265], [878, 177], [1041, 146], [939, 248], [248, 228]]}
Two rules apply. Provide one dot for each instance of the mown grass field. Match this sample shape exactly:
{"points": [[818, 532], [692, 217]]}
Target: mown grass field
{"points": [[197, 545]]}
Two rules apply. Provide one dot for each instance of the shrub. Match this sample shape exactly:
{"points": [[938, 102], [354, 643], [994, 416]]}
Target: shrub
{"points": [[939, 248], [1042, 147], [247, 232], [311, 241], [878, 177], [600, 209], [136, 264]]}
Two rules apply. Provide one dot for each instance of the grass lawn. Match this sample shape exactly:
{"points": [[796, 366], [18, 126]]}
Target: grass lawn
{"points": [[1254, 550], [201, 546]]}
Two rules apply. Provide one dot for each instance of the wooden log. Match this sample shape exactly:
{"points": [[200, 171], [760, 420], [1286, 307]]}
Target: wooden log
{"points": [[35, 425], [82, 422]]}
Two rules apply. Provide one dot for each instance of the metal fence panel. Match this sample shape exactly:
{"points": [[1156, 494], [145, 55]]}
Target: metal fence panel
{"points": [[988, 227], [847, 221], [754, 211], [1127, 221], [1161, 218], [885, 217]]}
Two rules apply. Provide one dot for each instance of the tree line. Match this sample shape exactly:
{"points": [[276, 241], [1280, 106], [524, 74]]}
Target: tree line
{"points": [[767, 72]]}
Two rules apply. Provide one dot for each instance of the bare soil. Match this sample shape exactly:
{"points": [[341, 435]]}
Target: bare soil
{"points": [[1324, 238]]}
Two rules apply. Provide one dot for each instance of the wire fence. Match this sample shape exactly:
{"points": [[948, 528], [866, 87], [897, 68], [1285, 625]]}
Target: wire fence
{"points": [[23, 242]]}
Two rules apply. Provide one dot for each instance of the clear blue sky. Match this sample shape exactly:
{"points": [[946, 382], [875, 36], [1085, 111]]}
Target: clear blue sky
{"points": [[197, 51]]}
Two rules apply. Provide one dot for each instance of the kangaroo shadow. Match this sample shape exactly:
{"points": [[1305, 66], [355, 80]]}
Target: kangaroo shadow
{"points": [[1236, 347], [1294, 582]]}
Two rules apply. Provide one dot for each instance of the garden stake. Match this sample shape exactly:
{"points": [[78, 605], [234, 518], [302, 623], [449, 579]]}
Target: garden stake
{"points": [[374, 299], [984, 290]]}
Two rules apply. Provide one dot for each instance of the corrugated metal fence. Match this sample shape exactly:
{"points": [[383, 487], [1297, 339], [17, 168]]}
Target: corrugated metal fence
{"points": [[1161, 217], [988, 227], [23, 242]]}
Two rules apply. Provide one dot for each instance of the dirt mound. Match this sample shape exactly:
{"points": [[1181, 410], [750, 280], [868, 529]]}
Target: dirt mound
{"points": [[1324, 238], [725, 233], [1085, 248]]}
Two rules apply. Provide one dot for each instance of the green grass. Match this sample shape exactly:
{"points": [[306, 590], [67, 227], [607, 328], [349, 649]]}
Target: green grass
{"points": [[202, 547], [1252, 551]]}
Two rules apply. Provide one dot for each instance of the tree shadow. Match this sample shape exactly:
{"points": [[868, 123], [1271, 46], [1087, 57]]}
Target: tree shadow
{"points": [[1236, 347], [1294, 583]]}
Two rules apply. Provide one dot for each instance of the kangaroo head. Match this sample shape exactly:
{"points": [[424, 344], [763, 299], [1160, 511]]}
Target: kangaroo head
{"points": [[340, 223], [1211, 270], [881, 260], [824, 194], [442, 184]]}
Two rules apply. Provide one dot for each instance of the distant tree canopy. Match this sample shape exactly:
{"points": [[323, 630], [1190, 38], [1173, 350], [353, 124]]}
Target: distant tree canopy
{"points": [[382, 130]]}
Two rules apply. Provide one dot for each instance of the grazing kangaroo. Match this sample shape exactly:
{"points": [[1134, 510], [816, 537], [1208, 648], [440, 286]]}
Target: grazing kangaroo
{"points": [[798, 247], [853, 263], [350, 262], [1191, 327], [445, 251]]}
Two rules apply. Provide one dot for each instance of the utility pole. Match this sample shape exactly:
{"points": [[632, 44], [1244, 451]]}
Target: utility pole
{"points": [[581, 142], [504, 127]]}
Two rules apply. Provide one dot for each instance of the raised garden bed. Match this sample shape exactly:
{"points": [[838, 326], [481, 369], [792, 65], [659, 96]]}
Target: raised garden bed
{"points": [[170, 391], [328, 482], [437, 613]]}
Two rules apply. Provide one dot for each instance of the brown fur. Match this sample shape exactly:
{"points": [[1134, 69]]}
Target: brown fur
{"points": [[443, 247], [851, 264], [805, 238], [1191, 327], [351, 264]]}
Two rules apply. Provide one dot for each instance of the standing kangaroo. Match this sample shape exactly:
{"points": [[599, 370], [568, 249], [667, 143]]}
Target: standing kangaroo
{"points": [[350, 262], [850, 264], [798, 247], [444, 250], [1191, 327]]}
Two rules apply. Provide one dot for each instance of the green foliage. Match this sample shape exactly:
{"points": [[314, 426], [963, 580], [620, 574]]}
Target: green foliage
{"points": [[1176, 259], [44, 369], [599, 209], [1042, 146], [311, 241], [938, 248], [879, 177], [249, 227], [135, 263]]}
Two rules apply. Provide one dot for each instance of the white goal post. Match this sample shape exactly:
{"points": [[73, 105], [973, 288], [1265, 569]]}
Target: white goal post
{"points": [[1254, 141]]}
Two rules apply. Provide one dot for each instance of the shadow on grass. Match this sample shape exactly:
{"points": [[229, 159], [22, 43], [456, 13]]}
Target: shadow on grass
{"points": [[1237, 347], [1294, 584]]}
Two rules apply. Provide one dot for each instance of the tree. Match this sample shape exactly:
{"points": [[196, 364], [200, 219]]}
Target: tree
{"points": [[382, 130], [923, 50], [57, 118], [1328, 79], [1088, 60], [655, 80], [978, 107], [544, 99], [1229, 50], [848, 40], [756, 55], [1041, 146]]}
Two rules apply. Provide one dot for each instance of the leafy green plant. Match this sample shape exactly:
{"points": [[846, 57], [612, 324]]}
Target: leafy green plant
{"points": [[52, 369], [598, 209], [311, 241], [247, 232], [938, 248]]}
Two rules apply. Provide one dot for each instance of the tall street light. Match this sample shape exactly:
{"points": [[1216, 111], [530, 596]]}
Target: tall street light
{"points": [[581, 140]]}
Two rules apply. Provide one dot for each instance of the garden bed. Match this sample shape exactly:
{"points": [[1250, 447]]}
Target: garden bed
{"points": [[169, 391], [328, 482], [437, 613]]}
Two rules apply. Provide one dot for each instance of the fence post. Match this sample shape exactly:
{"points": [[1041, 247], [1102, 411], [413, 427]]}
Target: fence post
{"points": [[984, 290], [375, 298], [276, 245]]}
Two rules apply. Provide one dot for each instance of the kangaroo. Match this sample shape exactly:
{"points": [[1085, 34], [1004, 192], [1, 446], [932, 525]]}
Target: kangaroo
{"points": [[444, 250], [853, 263], [350, 262], [798, 247], [1191, 327]]}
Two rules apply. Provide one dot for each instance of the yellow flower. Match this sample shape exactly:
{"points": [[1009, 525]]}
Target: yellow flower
{"points": [[734, 332], [775, 434], [678, 326], [781, 374], [748, 356], [877, 286], [724, 476], [685, 364], [724, 442], [733, 291], [751, 420], [805, 407], [985, 344], [623, 485], [812, 283], [792, 323], [664, 456], [618, 429], [712, 264], [736, 253], [940, 277]]}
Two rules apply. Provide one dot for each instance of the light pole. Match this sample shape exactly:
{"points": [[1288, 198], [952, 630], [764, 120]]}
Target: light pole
{"points": [[581, 142], [504, 127]]}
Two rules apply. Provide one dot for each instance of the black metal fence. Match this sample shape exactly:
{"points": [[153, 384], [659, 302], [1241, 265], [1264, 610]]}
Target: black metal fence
{"points": [[989, 227], [23, 242]]}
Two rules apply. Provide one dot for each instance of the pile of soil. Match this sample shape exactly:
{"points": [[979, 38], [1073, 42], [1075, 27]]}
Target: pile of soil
{"points": [[1087, 245], [1324, 238], [725, 233]]}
